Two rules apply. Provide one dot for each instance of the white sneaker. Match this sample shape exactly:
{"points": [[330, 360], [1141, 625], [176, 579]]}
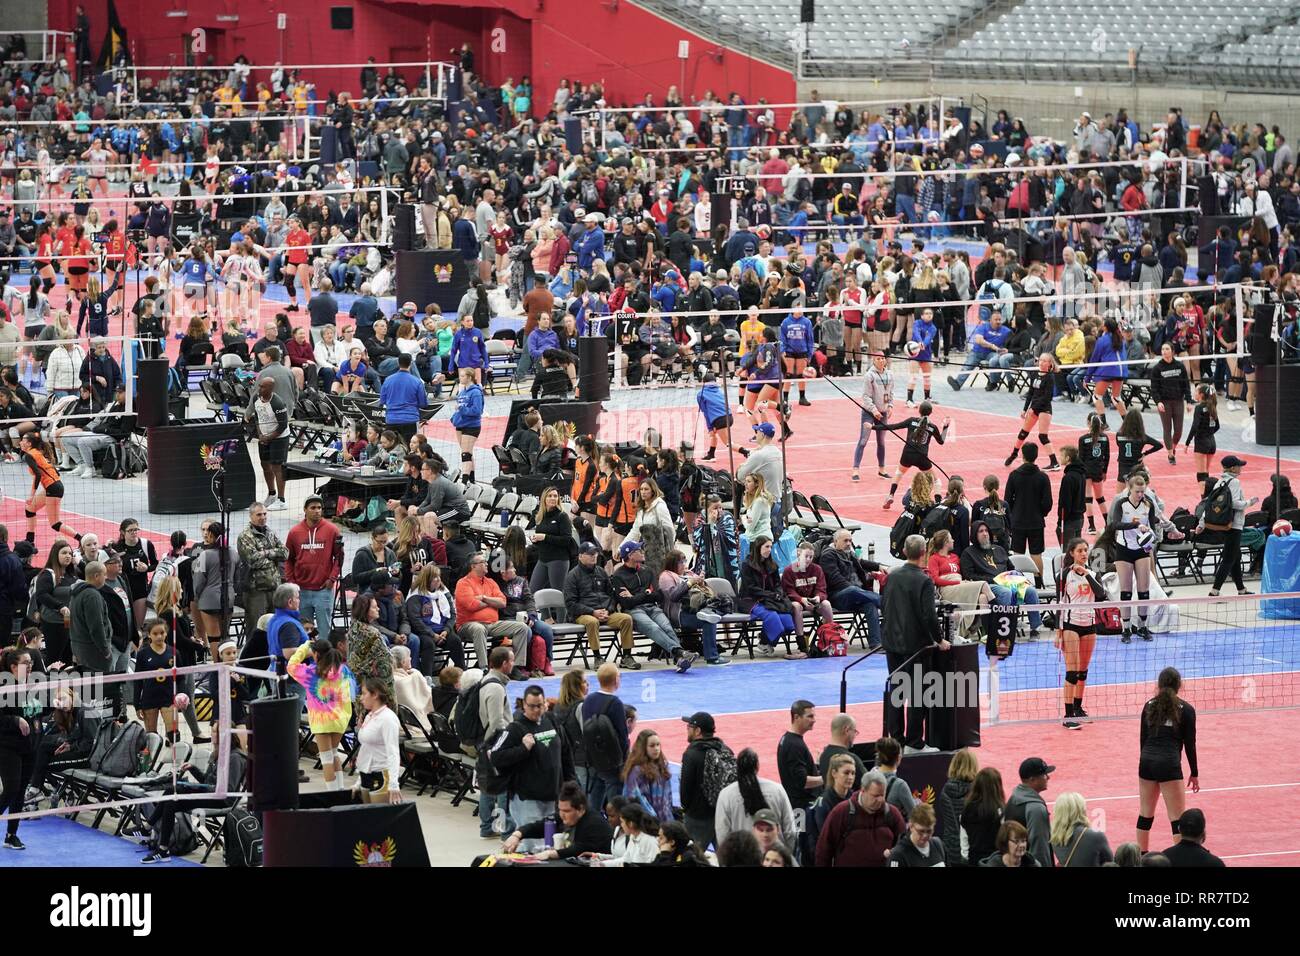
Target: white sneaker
{"points": [[85, 471], [277, 504], [270, 500], [920, 750]]}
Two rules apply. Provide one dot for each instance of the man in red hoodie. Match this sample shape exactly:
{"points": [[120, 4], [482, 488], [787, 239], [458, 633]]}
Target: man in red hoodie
{"points": [[862, 830], [315, 563]]}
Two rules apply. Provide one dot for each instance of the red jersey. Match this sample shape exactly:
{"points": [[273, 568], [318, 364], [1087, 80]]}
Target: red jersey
{"points": [[44, 247], [941, 565], [315, 556], [851, 303], [79, 253], [501, 236], [298, 241], [115, 249]]}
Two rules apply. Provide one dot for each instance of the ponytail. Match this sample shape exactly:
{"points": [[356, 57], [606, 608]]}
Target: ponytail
{"points": [[1164, 706], [747, 780]]}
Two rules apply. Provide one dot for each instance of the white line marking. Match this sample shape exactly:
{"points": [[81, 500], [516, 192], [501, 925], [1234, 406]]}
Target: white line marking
{"points": [[1268, 660], [1247, 856], [1253, 786]]}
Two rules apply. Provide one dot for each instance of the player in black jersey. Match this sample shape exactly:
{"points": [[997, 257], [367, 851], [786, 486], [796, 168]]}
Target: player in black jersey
{"points": [[916, 450], [1094, 455], [1168, 729], [1131, 444], [1200, 436], [1038, 411]]}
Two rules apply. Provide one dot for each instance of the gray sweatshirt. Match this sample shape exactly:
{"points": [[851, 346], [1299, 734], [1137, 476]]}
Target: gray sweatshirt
{"points": [[1027, 807]]}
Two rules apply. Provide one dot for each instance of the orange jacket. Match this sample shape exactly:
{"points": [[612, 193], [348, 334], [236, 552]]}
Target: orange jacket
{"points": [[468, 609]]}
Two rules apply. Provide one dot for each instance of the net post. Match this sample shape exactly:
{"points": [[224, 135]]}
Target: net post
{"points": [[223, 731], [1182, 184]]}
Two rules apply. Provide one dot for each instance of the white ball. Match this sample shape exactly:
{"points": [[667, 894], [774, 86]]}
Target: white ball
{"points": [[182, 701], [912, 348], [1281, 527]]}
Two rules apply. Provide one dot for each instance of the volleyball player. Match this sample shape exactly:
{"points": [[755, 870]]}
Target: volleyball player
{"points": [[1038, 411], [916, 449], [1132, 444], [712, 403], [1168, 729], [1094, 455], [1106, 369], [924, 332], [1133, 520], [762, 370], [1077, 634], [1172, 391], [47, 488], [797, 338], [1200, 435]]}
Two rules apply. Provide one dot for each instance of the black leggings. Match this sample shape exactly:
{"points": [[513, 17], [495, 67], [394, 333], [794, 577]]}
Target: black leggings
{"points": [[15, 771], [45, 759], [58, 647], [1230, 560], [1172, 419]]}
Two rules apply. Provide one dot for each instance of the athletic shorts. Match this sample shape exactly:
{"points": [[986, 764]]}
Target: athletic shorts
{"points": [[1094, 474], [54, 490], [1130, 555], [721, 422], [77, 270], [274, 452], [622, 527], [1027, 540], [1159, 769], [374, 781], [191, 290], [756, 388], [797, 356], [1081, 629], [475, 431], [911, 459]]}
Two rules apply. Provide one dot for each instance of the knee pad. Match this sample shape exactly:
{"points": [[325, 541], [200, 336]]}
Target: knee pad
{"points": [[1044, 439], [1176, 827], [1101, 503], [1144, 823], [1071, 677], [1144, 595], [29, 514], [466, 456], [57, 525], [1087, 501], [48, 284], [1202, 476], [327, 757], [1081, 676], [1022, 436], [1126, 595]]}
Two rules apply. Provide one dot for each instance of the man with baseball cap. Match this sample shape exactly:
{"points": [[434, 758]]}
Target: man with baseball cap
{"points": [[590, 599], [315, 563], [591, 244], [703, 750], [766, 461], [637, 592], [1227, 491], [1027, 807]]}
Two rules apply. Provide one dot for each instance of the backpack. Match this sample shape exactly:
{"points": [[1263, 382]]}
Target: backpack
{"points": [[482, 317], [184, 839], [34, 609], [241, 838], [905, 525], [1217, 510], [241, 576], [465, 717], [604, 753], [831, 640], [590, 198], [997, 524], [123, 758], [939, 519], [719, 772], [988, 293]]}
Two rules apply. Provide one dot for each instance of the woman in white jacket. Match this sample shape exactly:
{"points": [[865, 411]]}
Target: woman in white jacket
{"points": [[63, 368], [739, 801], [653, 526], [379, 734]]}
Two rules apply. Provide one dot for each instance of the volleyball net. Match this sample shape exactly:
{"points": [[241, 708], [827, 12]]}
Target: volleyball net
{"points": [[1234, 653]]}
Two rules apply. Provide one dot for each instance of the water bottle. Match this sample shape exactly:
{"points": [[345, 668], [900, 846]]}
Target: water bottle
{"points": [[505, 519], [871, 551], [548, 831]]}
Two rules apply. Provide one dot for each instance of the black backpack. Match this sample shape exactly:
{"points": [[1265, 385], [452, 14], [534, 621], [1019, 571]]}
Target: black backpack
{"points": [[590, 197], [997, 524], [241, 838], [1217, 510], [469, 726], [905, 525], [939, 519], [600, 741], [482, 315]]}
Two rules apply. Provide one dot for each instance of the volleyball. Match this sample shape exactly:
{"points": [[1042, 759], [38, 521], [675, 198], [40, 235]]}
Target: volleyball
{"points": [[1281, 527], [912, 348], [933, 216], [181, 702], [1146, 539], [810, 371]]}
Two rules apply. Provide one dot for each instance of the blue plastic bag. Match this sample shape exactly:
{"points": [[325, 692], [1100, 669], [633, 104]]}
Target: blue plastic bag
{"points": [[1281, 575], [783, 549]]}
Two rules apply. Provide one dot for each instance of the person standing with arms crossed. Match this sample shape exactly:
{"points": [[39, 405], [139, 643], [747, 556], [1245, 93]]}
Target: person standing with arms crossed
{"points": [[315, 563], [271, 416], [911, 632], [877, 400]]}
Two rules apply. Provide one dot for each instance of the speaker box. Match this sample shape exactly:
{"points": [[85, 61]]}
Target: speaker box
{"points": [[806, 12], [151, 400], [593, 368], [404, 227], [1263, 350], [273, 747]]}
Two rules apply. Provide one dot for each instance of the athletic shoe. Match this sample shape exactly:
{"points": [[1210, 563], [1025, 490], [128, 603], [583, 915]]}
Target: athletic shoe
{"points": [[1056, 467], [803, 400], [629, 663], [954, 384], [889, 503], [13, 843], [1071, 724], [1127, 636], [1080, 713], [884, 474], [1145, 632], [911, 404], [1172, 459], [991, 387], [708, 456], [855, 477], [920, 750], [766, 650], [685, 661], [157, 856], [270, 500], [1010, 458], [718, 661], [796, 656]]}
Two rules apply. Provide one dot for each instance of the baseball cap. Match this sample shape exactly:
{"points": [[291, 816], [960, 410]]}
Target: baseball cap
{"points": [[589, 547], [1035, 767], [1232, 461], [591, 217], [112, 557], [627, 548], [314, 500], [768, 817], [701, 719], [408, 306], [767, 428]]}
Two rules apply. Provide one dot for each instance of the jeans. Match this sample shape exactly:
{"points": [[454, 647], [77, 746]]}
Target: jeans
{"points": [[1007, 596], [273, 268], [654, 624], [547, 634], [387, 367], [1074, 383], [318, 606], [701, 830], [494, 815], [906, 208], [81, 447], [973, 360], [854, 600], [294, 689], [774, 623], [524, 812], [342, 274], [864, 435], [854, 220], [1004, 361], [600, 787], [708, 632]]}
